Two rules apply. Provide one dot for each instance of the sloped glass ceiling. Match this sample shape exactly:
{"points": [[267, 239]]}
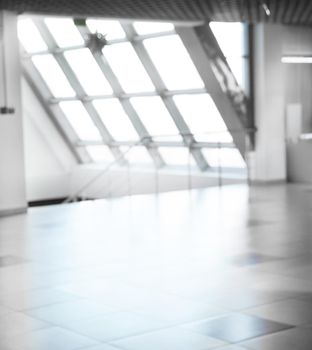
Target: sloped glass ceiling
{"points": [[141, 85]]}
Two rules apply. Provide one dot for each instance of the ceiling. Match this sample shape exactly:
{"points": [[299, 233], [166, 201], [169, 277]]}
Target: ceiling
{"points": [[281, 11]]}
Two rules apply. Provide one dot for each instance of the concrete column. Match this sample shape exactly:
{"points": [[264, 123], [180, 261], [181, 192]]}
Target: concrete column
{"points": [[268, 162], [12, 173]]}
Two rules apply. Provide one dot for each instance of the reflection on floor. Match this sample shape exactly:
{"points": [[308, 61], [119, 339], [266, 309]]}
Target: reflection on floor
{"points": [[222, 268]]}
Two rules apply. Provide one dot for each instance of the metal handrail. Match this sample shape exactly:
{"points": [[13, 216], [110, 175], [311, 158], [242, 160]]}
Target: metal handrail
{"points": [[142, 141], [100, 174]]}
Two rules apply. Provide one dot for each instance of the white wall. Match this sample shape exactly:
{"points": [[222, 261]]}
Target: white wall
{"points": [[48, 161], [269, 159]]}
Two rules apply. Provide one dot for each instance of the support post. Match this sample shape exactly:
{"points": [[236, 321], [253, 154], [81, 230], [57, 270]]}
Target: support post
{"points": [[12, 169]]}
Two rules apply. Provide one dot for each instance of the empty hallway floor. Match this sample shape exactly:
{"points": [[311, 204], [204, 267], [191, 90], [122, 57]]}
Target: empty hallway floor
{"points": [[227, 268]]}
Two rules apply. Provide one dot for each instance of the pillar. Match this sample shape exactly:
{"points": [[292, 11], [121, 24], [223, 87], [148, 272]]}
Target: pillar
{"points": [[268, 161], [12, 173]]}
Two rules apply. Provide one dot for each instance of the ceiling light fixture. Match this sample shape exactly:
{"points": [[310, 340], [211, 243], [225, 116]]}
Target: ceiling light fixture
{"points": [[266, 9], [297, 59]]}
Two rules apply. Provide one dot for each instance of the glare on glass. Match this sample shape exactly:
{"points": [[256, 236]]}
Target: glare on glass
{"points": [[137, 155], [88, 72], [230, 37], [110, 29], [115, 119], [100, 153], [225, 157], [238, 67], [29, 36], [53, 75], [173, 63], [176, 155], [64, 32], [128, 68], [144, 28], [80, 120], [203, 118], [155, 117]]}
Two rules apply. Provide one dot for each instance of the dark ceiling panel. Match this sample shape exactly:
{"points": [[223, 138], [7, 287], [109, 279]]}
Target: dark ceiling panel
{"points": [[282, 11]]}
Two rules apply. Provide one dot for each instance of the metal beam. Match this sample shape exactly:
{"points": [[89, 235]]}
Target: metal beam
{"points": [[155, 144], [74, 82], [197, 50], [165, 96], [128, 108]]}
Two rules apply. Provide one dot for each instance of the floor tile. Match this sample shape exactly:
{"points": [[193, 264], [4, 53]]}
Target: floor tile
{"points": [[35, 298], [292, 339], [236, 327], [177, 310], [170, 339], [233, 347], [107, 347], [116, 325], [293, 312], [50, 339], [252, 259], [68, 312], [16, 323]]}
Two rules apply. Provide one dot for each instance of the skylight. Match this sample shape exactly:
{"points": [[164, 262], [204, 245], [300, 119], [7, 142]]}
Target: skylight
{"points": [[100, 154], [91, 79], [30, 37], [80, 120], [203, 118], [144, 28], [143, 87], [53, 75], [174, 63], [115, 119], [64, 32], [128, 68], [155, 117], [112, 30]]}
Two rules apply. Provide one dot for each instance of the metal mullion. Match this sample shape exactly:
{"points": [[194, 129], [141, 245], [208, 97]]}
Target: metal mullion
{"points": [[170, 93], [124, 100], [163, 93], [74, 82], [55, 114], [156, 144]]}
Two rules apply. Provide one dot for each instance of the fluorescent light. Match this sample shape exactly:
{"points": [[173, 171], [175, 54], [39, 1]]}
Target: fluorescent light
{"points": [[297, 59], [266, 9]]}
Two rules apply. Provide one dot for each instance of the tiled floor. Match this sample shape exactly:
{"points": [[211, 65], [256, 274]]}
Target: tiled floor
{"points": [[226, 269]]}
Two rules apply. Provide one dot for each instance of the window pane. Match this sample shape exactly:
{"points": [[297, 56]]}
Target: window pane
{"points": [[111, 29], [176, 155], [238, 67], [80, 120], [230, 37], [173, 62], [143, 28], [115, 119], [100, 154], [88, 72], [226, 157], [128, 68], [155, 117], [203, 118], [64, 32], [138, 155], [53, 75], [30, 37]]}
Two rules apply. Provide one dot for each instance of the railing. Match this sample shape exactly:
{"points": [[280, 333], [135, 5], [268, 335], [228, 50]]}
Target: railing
{"points": [[93, 186]]}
